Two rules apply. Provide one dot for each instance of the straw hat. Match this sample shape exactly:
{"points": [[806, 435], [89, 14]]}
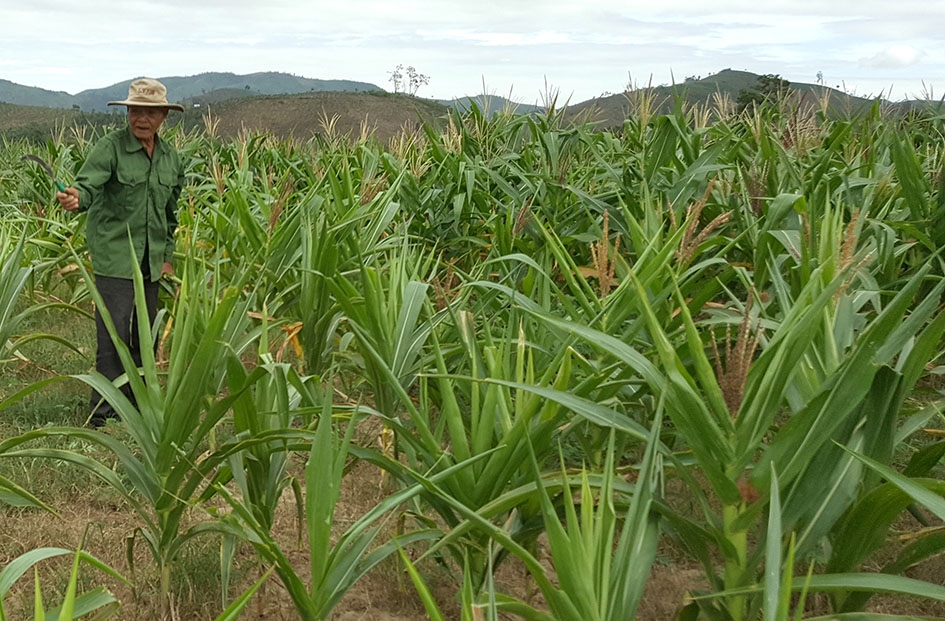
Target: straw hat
{"points": [[148, 93]]}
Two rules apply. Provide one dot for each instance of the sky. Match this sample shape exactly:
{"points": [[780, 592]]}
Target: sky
{"points": [[528, 50]]}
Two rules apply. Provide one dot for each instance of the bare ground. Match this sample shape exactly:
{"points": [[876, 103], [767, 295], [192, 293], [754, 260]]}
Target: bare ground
{"points": [[88, 510]]}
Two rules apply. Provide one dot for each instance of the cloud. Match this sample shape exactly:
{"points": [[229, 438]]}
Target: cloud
{"points": [[235, 41], [512, 39], [894, 57], [588, 47]]}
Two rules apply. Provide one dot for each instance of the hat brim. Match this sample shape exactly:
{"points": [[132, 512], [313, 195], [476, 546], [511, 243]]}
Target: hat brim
{"points": [[147, 104]]}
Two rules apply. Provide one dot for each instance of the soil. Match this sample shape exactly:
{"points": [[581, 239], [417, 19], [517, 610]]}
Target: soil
{"points": [[385, 593], [90, 512]]}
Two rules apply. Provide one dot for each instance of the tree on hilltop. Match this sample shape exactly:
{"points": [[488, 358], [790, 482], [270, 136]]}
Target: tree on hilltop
{"points": [[407, 80], [768, 88]]}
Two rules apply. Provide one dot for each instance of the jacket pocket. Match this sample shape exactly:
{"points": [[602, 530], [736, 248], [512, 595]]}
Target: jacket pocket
{"points": [[128, 191], [167, 177], [128, 177]]}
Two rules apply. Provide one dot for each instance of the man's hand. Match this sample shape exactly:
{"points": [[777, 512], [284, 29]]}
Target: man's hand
{"points": [[69, 200], [167, 269]]}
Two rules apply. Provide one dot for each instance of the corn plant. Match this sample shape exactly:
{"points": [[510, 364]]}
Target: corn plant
{"points": [[334, 237], [75, 605], [270, 401], [294, 226], [594, 578], [862, 530], [98, 602], [599, 580], [13, 278], [842, 406], [507, 407], [781, 582], [334, 566], [14, 286], [163, 473], [768, 281], [724, 427], [383, 311]]}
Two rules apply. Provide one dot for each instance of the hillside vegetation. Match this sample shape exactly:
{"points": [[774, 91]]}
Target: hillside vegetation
{"points": [[291, 106], [380, 114], [300, 116], [181, 89], [38, 124], [720, 90], [13, 93]]}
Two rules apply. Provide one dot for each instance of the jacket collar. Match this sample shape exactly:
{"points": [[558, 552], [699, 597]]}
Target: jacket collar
{"points": [[131, 144]]}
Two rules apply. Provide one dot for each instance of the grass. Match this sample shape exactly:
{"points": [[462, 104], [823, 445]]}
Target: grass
{"points": [[83, 499], [64, 403]]}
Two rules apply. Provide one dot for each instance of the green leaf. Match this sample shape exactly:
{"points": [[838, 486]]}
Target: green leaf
{"points": [[21, 564], [597, 414], [863, 528], [876, 583], [68, 603], [38, 612], [924, 459], [871, 616], [14, 495], [840, 583], [773, 596], [919, 493], [232, 612], [426, 596], [924, 545]]}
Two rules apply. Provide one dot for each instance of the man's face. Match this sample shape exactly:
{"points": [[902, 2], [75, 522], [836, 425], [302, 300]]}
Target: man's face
{"points": [[145, 121]]}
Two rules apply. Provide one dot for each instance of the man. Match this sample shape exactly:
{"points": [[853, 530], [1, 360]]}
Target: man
{"points": [[129, 184]]}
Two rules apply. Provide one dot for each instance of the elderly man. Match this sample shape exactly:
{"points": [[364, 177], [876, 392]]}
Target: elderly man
{"points": [[129, 184]]}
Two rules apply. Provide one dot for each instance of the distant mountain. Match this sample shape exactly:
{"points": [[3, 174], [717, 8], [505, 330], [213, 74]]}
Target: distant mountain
{"points": [[725, 85], [490, 104], [13, 93], [216, 87], [287, 105], [180, 89]]}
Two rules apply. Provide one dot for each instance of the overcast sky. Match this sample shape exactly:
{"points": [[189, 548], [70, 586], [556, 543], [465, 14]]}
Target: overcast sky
{"points": [[579, 48]]}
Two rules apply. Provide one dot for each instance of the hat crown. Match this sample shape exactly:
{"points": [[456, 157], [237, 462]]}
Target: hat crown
{"points": [[146, 92]]}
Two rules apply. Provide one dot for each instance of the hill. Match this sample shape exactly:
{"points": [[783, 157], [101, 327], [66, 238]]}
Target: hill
{"points": [[726, 84], [180, 88], [184, 88], [12, 93], [301, 116], [38, 124], [236, 102], [490, 104]]}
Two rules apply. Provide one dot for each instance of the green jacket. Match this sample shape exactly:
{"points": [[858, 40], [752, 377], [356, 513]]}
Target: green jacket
{"points": [[124, 190]]}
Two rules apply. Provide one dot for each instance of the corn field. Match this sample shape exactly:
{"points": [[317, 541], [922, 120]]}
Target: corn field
{"points": [[554, 346]]}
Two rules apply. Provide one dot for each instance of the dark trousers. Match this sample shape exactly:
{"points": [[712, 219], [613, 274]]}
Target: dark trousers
{"points": [[118, 295]]}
